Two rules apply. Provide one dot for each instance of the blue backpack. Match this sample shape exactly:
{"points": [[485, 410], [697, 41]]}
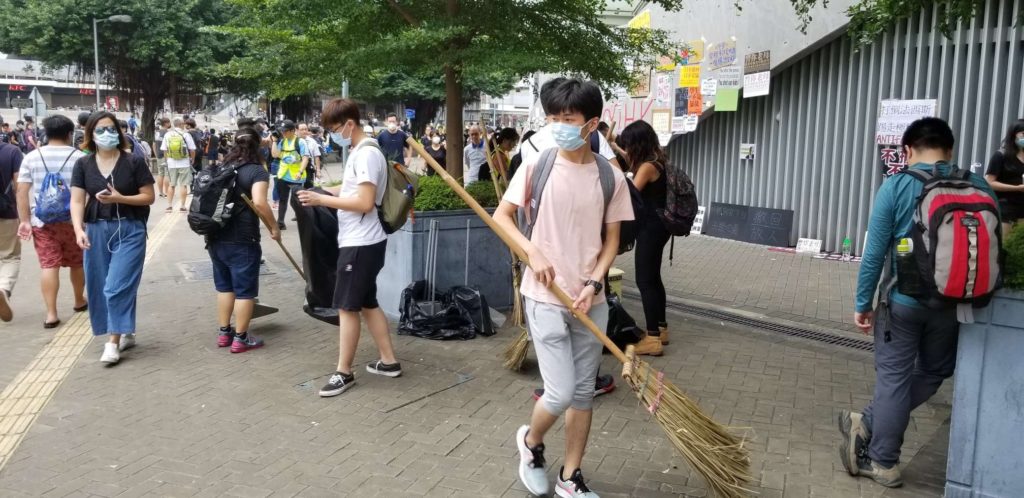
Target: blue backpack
{"points": [[53, 202]]}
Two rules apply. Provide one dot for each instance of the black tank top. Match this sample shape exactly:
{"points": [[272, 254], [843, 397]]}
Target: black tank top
{"points": [[655, 193]]}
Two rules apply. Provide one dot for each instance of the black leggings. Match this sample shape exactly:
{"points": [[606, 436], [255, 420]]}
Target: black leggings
{"points": [[650, 246], [284, 194]]}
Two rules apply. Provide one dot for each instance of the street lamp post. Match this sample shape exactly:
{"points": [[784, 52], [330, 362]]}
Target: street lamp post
{"points": [[96, 47]]}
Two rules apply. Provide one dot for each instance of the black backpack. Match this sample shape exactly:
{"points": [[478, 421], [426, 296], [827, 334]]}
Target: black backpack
{"points": [[680, 202], [213, 199]]}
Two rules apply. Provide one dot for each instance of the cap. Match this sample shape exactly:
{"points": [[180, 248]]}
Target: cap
{"points": [[368, 129], [288, 125]]}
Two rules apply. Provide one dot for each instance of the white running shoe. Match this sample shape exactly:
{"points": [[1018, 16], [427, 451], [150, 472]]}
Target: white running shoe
{"points": [[110, 354], [532, 473], [127, 342]]}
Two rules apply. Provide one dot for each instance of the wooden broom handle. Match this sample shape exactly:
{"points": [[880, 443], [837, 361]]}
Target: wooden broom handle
{"points": [[270, 227], [516, 248]]}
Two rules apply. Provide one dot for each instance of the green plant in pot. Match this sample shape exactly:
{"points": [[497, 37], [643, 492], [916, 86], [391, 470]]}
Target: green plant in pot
{"points": [[436, 195]]}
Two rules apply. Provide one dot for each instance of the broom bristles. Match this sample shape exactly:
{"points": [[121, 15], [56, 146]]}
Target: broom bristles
{"points": [[710, 448], [515, 354]]}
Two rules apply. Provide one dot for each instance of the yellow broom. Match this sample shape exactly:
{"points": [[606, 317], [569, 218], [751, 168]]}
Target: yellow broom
{"points": [[515, 354], [717, 454]]}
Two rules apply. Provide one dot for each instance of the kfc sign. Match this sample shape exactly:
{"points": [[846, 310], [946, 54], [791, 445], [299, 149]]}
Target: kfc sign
{"points": [[16, 88]]}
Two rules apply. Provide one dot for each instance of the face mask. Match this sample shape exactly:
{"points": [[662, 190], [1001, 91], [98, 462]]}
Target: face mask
{"points": [[106, 141], [567, 136], [1020, 143], [435, 140], [339, 138], [392, 127]]}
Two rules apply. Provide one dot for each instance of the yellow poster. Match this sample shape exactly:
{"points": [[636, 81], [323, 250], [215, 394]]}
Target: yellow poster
{"points": [[689, 76], [641, 20], [666, 63]]}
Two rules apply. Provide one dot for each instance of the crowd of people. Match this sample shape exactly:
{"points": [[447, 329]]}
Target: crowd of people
{"points": [[81, 193]]}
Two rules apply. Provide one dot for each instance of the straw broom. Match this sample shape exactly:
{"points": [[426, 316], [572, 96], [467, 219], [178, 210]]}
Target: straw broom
{"points": [[515, 354], [718, 455]]}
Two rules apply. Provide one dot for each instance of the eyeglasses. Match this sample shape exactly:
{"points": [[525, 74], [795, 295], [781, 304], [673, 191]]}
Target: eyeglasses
{"points": [[106, 129]]}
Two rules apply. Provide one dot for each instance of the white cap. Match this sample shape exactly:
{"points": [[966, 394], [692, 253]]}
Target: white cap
{"points": [[368, 130]]}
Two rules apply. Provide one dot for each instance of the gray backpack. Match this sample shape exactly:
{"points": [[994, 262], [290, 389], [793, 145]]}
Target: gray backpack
{"points": [[527, 215]]}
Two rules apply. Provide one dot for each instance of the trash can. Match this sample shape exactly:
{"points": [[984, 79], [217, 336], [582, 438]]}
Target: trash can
{"points": [[986, 436]]}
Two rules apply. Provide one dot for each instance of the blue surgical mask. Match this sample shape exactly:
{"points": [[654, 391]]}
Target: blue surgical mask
{"points": [[106, 140], [339, 138], [1020, 143], [567, 136]]}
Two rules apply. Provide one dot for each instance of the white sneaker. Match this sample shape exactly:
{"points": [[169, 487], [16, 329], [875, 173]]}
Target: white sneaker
{"points": [[531, 465], [127, 342], [110, 354]]}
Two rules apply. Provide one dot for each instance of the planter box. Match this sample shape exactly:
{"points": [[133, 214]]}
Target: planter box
{"points": [[986, 436], [489, 271]]}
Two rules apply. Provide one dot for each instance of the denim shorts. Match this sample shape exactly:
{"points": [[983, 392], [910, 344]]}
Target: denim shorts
{"points": [[236, 268]]}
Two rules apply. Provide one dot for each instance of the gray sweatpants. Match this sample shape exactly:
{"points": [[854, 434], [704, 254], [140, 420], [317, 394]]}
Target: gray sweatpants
{"points": [[914, 352], [568, 353]]}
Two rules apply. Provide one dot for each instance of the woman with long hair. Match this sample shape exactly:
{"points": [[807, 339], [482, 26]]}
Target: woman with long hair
{"points": [[111, 192], [1005, 174], [235, 248], [647, 163], [502, 143]]}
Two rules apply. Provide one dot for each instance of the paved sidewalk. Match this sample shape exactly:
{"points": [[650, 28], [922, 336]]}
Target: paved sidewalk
{"points": [[749, 277], [180, 417]]}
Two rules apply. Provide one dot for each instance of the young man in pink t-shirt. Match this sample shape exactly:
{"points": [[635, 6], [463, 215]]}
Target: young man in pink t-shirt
{"points": [[566, 249]]}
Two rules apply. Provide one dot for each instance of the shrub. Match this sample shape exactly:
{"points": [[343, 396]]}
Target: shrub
{"points": [[1014, 271], [436, 195]]}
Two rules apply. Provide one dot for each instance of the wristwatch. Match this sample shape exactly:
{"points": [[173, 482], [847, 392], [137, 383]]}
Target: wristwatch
{"points": [[595, 284]]}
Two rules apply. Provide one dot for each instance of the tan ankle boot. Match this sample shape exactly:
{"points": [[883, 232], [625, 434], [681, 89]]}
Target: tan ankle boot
{"points": [[663, 331], [649, 345]]}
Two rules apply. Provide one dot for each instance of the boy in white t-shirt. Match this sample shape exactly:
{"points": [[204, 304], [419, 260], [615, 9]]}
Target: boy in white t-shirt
{"points": [[566, 249], [361, 245]]}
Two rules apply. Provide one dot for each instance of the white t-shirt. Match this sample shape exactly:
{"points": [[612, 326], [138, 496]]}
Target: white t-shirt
{"points": [[189, 143], [366, 164], [312, 148], [543, 140]]}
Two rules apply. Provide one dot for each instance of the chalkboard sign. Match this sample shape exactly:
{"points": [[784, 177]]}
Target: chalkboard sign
{"points": [[765, 226]]}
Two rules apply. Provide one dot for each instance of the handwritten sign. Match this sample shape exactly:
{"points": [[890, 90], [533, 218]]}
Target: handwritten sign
{"points": [[695, 104], [894, 116], [809, 246], [679, 124], [771, 227], [690, 122], [642, 84], [689, 76], [663, 90], [708, 87], [721, 54], [698, 222], [729, 77], [662, 121]]}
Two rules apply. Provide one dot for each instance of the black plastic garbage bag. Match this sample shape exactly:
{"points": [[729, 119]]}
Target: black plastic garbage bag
{"points": [[318, 234], [459, 314], [622, 329], [473, 305]]}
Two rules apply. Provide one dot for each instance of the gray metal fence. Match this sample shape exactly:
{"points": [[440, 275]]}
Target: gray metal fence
{"points": [[815, 132]]}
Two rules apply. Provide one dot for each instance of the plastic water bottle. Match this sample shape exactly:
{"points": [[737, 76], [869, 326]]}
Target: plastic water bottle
{"points": [[908, 280], [847, 249]]}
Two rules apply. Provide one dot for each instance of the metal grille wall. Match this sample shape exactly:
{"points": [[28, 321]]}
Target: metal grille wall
{"points": [[815, 132]]}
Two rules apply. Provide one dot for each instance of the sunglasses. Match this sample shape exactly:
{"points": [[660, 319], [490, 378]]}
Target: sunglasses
{"points": [[106, 129]]}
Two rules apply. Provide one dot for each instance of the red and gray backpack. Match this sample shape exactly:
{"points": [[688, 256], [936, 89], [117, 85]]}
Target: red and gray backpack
{"points": [[957, 239]]}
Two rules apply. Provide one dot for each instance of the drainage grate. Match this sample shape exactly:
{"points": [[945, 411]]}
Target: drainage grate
{"points": [[823, 337], [203, 270]]}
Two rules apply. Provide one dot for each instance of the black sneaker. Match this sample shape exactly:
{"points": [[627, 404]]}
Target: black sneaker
{"points": [[603, 385], [386, 369], [337, 384]]}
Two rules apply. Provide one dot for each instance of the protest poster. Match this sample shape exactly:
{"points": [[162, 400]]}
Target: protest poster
{"points": [[642, 84], [729, 77], [681, 102], [663, 90], [757, 62], [708, 86], [757, 74], [894, 116], [721, 54], [689, 76], [694, 103], [690, 122], [727, 99], [692, 52]]}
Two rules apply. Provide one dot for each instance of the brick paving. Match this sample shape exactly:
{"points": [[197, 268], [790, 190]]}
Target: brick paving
{"points": [[738, 275], [180, 417]]}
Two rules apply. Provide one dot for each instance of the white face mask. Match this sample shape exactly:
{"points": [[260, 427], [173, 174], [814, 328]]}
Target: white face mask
{"points": [[392, 127], [435, 140]]}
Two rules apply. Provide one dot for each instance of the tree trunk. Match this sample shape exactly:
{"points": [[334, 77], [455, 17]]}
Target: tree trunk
{"points": [[426, 110], [453, 126]]}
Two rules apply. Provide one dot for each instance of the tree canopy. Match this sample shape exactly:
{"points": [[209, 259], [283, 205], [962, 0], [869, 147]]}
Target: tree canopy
{"points": [[458, 47], [164, 45]]}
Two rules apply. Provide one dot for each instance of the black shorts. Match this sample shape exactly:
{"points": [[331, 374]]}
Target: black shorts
{"points": [[356, 286], [1010, 212]]}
